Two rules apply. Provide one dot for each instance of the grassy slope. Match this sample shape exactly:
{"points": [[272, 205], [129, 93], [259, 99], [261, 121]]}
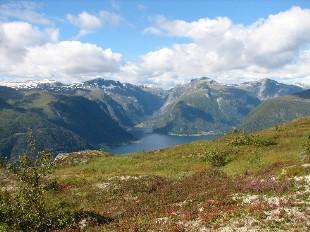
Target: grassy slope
{"points": [[174, 189], [185, 159], [275, 111]]}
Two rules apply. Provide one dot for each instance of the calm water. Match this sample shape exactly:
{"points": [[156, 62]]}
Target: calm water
{"points": [[148, 141]]}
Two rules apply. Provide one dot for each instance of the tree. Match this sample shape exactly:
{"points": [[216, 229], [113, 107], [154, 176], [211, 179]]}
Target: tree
{"points": [[26, 209]]}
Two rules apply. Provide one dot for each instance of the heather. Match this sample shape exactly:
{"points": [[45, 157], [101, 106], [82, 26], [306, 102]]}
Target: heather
{"points": [[239, 182]]}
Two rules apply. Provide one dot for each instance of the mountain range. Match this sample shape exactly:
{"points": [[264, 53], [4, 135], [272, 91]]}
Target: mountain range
{"points": [[100, 112], [278, 110]]}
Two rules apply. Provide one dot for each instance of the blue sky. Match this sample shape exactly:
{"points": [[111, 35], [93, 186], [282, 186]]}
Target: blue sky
{"points": [[156, 42], [129, 39]]}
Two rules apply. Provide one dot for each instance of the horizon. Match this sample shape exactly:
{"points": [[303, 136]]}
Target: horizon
{"points": [[16, 82], [150, 43]]}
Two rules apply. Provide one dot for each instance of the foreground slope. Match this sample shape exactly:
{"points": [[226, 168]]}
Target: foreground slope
{"points": [[262, 186]]}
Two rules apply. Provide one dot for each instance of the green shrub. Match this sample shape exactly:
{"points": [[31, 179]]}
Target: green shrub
{"points": [[249, 139], [254, 159], [218, 157], [27, 209], [3, 161], [306, 145]]}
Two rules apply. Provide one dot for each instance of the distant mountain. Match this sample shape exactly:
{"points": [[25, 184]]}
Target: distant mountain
{"points": [[136, 102], [128, 104], [59, 122], [31, 84], [267, 88], [278, 110], [202, 106], [100, 112], [14, 125]]}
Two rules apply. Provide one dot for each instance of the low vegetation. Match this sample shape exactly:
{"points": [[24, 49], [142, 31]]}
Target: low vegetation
{"points": [[250, 139], [306, 145], [239, 182], [26, 209]]}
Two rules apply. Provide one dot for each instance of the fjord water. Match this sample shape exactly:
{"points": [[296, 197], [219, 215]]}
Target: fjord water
{"points": [[149, 141]]}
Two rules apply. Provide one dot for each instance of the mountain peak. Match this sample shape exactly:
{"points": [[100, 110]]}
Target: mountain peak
{"points": [[31, 84], [267, 88]]}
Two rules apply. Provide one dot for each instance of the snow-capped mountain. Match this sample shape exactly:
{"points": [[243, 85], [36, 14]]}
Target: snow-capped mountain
{"points": [[57, 86], [31, 84], [267, 88]]}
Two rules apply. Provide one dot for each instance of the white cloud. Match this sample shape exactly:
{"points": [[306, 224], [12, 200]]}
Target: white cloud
{"points": [[275, 46], [29, 53], [71, 60], [88, 23], [110, 18], [16, 37], [24, 11]]}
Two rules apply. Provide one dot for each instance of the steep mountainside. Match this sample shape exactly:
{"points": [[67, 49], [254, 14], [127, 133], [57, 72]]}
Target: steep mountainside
{"points": [[278, 110], [123, 99], [202, 106], [59, 122], [199, 107], [128, 104], [14, 125], [267, 88]]}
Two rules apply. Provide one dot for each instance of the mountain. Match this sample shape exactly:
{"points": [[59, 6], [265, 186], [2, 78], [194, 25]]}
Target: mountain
{"points": [[14, 125], [202, 106], [278, 110], [31, 84], [127, 104], [267, 88], [60, 122], [134, 102]]}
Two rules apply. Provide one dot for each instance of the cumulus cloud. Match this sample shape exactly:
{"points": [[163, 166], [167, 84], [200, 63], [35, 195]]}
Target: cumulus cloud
{"points": [[88, 23], [71, 60], [27, 52], [17, 37], [24, 11], [275, 47], [272, 46]]}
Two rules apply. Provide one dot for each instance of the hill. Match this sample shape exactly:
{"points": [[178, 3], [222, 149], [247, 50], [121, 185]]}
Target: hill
{"points": [[261, 185], [278, 110]]}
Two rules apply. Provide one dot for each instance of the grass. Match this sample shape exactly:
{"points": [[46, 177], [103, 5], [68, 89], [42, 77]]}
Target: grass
{"points": [[175, 189], [186, 159]]}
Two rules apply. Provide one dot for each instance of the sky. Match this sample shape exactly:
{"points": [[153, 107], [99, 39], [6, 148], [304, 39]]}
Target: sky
{"points": [[157, 43]]}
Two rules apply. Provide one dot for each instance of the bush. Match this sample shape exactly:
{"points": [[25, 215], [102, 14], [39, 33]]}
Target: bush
{"points": [[26, 209], [218, 157], [306, 145], [249, 139], [3, 161]]}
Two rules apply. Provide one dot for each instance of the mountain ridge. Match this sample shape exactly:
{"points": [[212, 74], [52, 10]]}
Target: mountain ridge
{"points": [[202, 106]]}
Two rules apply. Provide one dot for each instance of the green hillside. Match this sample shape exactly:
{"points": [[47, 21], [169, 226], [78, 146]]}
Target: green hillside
{"points": [[14, 125], [202, 106], [278, 110], [245, 182], [60, 123]]}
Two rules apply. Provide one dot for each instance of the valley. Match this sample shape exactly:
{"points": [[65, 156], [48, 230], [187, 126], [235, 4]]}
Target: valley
{"points": [[100, 114]]}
